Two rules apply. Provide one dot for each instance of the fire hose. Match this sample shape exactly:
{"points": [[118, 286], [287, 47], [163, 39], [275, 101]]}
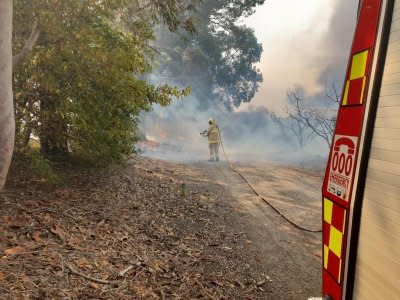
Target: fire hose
{"points": [[260, 195]]}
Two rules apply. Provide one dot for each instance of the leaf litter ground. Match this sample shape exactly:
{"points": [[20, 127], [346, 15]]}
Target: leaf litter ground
{"points": [[131, 232]]}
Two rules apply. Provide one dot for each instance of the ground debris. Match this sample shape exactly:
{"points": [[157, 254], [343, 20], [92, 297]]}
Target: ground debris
{"points": [[133, 232]]}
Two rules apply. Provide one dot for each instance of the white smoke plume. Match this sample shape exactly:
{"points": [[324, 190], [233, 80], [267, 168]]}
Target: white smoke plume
{"points": [[252, 135]]}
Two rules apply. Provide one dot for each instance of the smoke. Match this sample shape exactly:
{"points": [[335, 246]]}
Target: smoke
{"points": [[338, 40], [253, 135], [307, 46]]}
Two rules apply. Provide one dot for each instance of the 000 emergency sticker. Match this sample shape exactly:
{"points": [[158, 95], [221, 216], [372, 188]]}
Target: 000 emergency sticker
{"points": [[342, 165]]}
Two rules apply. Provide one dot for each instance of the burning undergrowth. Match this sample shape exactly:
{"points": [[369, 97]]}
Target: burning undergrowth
{"points": [[173, 133]]}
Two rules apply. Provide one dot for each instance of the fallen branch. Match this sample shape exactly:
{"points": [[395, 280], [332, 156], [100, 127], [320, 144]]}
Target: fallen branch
{"points": [[204, 289], [138, 273], [54, 211], [123, 272], [73, 271]]}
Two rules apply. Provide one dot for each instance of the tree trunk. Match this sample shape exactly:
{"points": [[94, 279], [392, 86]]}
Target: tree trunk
{"points": [[7, 122]]}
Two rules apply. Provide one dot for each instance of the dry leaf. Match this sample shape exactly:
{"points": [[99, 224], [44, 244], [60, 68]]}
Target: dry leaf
{"points": [[47, 217], [73, 240], [14, 251], [36, 237], [157, 265], [30, 245], [58, 232], [83, 263], [203, 198], [94, 285], [13, 222], [105, 277], [2, 276]]}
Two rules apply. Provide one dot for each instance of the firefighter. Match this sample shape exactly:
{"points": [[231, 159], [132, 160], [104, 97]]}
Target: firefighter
{"points": [[213, 135]]}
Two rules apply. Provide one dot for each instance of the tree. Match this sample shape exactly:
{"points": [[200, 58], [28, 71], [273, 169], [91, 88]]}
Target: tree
{"points": [[175, 14], [314, 119], [41, 105], [219, 59], [6, 100], [82, 86]]}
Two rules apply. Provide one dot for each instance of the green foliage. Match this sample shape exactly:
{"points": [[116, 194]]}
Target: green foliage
{"points": [[219, 60], [43, 168], [82, 87], [175, 14]]}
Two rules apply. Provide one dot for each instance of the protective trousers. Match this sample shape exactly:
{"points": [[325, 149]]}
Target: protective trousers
{"points": [[214, 151]]}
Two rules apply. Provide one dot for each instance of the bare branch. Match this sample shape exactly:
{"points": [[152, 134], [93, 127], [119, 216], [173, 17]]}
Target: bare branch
{"points": [[154, 49], [29, 44], [336, 96], [313, 120]]}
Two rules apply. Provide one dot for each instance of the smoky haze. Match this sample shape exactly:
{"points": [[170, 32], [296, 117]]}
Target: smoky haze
{"points": [[254, 135]]}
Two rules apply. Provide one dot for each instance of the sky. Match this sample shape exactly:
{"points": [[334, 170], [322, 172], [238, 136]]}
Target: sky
{"points": [[306, 44]]}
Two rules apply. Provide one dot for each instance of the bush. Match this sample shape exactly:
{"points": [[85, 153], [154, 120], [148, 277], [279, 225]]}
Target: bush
{"points": [[43, 168]]}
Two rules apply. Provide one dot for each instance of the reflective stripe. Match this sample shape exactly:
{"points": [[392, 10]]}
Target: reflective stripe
{"points": [[335, 241], [326, 252], [355, 85], [328, 207], [359, 65], [334, 228]]}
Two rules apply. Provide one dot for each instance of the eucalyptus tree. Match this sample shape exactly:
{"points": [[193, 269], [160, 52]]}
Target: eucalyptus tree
{"points": [[6, 100], [219, 60]]}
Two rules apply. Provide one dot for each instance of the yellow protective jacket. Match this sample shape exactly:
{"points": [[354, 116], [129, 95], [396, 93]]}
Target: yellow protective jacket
{"points": [[213, 134]]}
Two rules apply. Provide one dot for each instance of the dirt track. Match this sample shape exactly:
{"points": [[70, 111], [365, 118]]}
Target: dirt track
{"points": [[289, 257]]}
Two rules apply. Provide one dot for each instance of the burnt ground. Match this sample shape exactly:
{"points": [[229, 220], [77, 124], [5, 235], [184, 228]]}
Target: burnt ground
{"points": [[159, 230]]}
